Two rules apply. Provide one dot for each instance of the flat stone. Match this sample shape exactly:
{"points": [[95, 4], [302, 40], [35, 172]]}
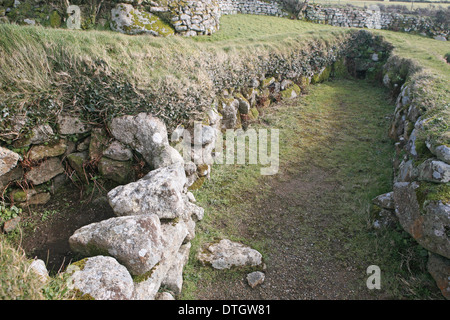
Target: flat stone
{"points": [[8, 160], [227, 254], [255, 278], [39, 152], [118, 151], [45, 171], [71, 125], [159, 192], [11, 224]]}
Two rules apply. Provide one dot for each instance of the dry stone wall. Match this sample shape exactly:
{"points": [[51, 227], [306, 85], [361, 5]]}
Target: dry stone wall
{"points": [[373, 18], [269, 8]]}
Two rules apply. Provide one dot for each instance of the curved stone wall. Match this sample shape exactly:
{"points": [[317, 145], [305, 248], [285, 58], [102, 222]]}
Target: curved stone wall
{"points": [[373, 18]]}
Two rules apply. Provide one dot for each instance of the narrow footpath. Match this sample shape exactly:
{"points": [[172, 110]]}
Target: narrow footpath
{"points": [[312, 220]]}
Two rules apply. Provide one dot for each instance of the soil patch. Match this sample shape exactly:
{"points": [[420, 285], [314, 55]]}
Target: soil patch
{"points": [[54, 223]]}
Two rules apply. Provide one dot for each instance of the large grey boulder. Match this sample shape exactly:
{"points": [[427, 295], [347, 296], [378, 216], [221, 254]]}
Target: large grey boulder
{"points": [[135, 241], [160, 192], [101, 278], [148, 136], [174, 234], [426, 222], [8, 160], [227, 254]]}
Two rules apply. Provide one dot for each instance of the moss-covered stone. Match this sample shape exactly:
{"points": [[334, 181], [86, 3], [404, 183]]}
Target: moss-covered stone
{"points": [[291, 92], [267, 82], [321, 76], [197, 184], [55, 19], [129, 20], [117, 171]]}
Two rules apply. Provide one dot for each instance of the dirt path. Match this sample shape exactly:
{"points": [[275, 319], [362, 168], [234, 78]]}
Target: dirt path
{"points": [[312, 218]]}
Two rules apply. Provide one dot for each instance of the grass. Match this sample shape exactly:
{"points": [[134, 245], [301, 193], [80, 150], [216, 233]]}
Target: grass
{"points": [[19, 282], [341, 128]]}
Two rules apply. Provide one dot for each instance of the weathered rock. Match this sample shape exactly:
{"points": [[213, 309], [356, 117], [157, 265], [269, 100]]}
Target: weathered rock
{"points": [[434, 171], [38, 266], [291, 92], [229, 110], [135, 241], [45, 171], [426, 223], [227, 254], [84, 145], [76, 161], [148, 136], [38, 198], [8, 160], [255, 278], [118, 151], [118, 171], [40, 152], [164, 296], [174, 235], [98, 142], [439, 268], [174, 277], [129, 20], [385, 200], [71, 125], [159, 192], [11, 225], [39, 134], [12, 175], [102, 278], [443, 153]]}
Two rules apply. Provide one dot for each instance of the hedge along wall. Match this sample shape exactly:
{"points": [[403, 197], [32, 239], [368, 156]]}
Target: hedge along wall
{"points": [[373, 18]]}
